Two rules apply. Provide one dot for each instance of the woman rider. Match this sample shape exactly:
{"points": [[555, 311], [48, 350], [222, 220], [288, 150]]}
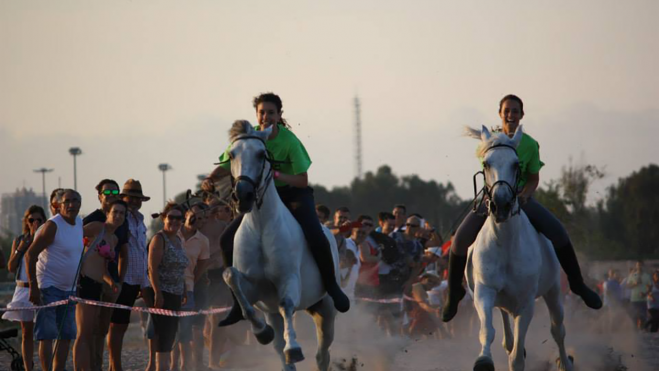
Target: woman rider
{"points": [[290, 174], [511, 111]]}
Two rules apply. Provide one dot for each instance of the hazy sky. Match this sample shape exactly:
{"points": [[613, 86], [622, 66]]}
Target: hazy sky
{"points": [[137, 83]]}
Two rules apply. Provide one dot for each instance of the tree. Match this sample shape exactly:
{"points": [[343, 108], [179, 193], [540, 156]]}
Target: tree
{"points": [[630, 213]]}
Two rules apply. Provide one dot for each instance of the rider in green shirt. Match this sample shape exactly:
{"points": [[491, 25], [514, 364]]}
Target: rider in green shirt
{"points": [[290, 165], [511, 111]]}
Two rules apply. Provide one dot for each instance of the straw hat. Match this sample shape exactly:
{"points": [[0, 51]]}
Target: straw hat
{"points": [[133, 188]]}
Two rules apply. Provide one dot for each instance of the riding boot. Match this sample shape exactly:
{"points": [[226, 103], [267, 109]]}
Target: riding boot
{"points": [[226, 247], [570, 265], [456, 268], [323, 256]]}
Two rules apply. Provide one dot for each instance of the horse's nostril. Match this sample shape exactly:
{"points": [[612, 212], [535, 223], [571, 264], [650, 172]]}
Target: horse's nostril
{"points": [[249, 195]]}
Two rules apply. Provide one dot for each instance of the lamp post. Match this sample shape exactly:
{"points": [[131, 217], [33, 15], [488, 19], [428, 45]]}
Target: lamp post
{"points": [[75, 151], [43, 172], [164, 168]]}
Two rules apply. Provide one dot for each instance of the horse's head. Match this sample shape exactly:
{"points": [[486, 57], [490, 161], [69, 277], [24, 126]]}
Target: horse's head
{"points": [[249, 163], [501, 169]]}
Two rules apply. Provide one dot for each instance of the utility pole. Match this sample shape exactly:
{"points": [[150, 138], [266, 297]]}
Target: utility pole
{"points": [[358, 139], [164, 168], [75, 152], [43, 172]]}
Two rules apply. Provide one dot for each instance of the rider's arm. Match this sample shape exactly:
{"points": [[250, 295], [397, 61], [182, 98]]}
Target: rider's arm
{"points": [[297, 181], [531, 185]]}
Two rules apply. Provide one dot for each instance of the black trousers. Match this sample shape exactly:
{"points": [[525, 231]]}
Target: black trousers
{"points": [[542, 220], [301, 203]]}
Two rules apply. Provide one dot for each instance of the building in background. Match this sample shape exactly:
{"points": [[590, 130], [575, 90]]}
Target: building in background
{"points": [[12, 207]]}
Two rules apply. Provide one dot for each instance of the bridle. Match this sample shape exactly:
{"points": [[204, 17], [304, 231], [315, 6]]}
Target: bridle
{"points": [[486, 190], [258, 196]]}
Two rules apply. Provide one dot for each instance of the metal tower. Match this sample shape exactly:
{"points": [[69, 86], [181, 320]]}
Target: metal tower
{"points": [[358, 139]]}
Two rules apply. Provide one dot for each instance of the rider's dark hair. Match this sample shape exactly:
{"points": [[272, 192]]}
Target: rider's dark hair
{"points": [[512, 97], [273, 98]]}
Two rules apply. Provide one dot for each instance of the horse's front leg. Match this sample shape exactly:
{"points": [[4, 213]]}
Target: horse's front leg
{"points": [[484, 297], [507, 332], [240, 286], [516, 359], [289, 294], [553, 301], [277, 323]]}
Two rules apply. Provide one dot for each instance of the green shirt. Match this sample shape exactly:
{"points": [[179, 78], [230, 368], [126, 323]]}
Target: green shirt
{"points": [[528, 152], [285, 147]]}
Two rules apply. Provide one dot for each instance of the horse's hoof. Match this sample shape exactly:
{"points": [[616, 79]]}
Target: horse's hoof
{"points": [[565, 367], [293, 355], [484, 364], [265, 336]]}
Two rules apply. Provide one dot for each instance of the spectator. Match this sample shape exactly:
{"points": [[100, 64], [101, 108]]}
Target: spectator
{"points": [[167, 264], [33, 218], [218, 293], [612, 290], [58, 249], [350, 263], [653, 303], [101, 242], [342, 230], [412, 247], [639, 282], [55, 196], [108, 193], [369, 257], [135, 278], [323, 213], [423, 315], [400, 213], [197, 250]]}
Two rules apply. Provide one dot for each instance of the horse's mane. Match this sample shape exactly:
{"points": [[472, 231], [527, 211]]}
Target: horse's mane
{"points": [[239, 127], [497, 138]]}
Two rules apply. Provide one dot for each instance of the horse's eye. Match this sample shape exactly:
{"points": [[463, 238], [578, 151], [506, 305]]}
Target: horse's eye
{"points": [[230, 155], [260, 155], [516, 166], [486, 165]]}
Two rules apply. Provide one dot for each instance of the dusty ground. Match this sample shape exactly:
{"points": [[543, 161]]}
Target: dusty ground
{"points": [[360, 346]]}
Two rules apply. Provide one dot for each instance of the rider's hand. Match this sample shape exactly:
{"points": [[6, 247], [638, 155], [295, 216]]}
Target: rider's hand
{"points": [[523, 199], [208, 185]]}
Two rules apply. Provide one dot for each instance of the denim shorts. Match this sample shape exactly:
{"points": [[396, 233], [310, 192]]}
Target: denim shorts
{"points": [[50, 320], [185, 323]]}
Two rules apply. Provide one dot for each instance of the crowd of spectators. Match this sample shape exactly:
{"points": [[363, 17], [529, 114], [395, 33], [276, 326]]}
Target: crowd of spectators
{"points": [[107, 257], [635, 295], [392, 267]]}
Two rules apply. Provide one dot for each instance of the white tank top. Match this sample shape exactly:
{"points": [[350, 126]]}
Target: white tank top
{"points": [[58, 263]]}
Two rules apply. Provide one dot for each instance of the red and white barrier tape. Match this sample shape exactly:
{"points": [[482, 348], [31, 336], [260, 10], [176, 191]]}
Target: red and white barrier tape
{"points": [[163, 312], [387, 301]]}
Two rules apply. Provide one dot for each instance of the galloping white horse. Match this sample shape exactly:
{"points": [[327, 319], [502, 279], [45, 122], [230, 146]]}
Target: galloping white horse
{"points": [[510, 264], [273, 267]]}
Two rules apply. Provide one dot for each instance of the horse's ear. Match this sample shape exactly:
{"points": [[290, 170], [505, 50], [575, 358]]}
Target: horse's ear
{"points": [[265, 133], [517, 138], [485, 134]]}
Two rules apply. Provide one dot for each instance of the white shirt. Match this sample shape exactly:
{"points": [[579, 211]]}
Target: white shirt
{"points": [[353, 272], [58, 264]]}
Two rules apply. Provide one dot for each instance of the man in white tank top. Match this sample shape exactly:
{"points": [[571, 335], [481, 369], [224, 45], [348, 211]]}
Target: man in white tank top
{"points": [[58, 249]]}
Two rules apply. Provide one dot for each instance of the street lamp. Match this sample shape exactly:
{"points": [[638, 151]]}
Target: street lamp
{"points": [[43, 172], [75, 151], [164, 168]]}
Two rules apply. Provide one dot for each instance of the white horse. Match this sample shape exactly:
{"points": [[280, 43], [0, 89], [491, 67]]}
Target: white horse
{"points": [[273, 267], [510, 264]]}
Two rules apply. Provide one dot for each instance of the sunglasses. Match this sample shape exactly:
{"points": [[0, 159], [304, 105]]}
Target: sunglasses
{"points": [[175, 217], [367, 225], [32, 220], [412, 225], [108, 192]]}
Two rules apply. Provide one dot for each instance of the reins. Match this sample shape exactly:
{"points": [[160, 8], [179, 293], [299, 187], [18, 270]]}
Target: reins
{"points": [[486, 190]]}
